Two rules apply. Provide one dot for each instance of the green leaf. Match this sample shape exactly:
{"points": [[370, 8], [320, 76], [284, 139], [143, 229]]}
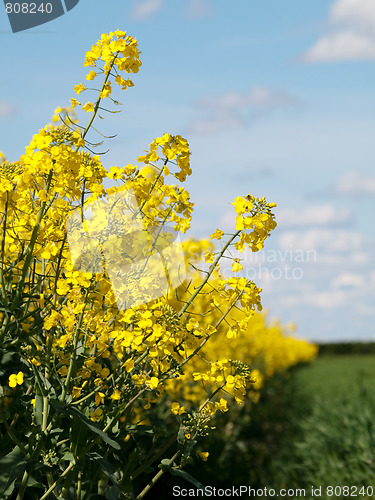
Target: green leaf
{"points": [[68, 455], [186, 476], [131, 463], [94, 428], [79, 435], [166, 462], [112, 493], [12, 467], [91, 425], [105, 465], [38, 409], [189, 447]]}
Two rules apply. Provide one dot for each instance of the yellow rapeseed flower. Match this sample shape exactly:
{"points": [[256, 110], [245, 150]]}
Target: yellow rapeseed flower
{"points": [[16, 379]]}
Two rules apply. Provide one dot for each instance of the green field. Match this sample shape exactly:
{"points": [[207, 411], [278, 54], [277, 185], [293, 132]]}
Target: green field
{"points": [[329, 427]]}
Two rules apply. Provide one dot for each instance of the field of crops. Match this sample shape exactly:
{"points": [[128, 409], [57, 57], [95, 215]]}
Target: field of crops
{"points": [[331, 434], [314, 428]]}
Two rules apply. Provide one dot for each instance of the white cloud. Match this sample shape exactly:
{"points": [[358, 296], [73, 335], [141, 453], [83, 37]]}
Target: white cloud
{"points": [[144, 10], [312, 215], [360, 13], [236, 109], [346, 280], [199, 8], [343, 46], [256, 97], [322, 240], [355, 183], [228, 221], [6, 110], [352, 36], [220, 120]]}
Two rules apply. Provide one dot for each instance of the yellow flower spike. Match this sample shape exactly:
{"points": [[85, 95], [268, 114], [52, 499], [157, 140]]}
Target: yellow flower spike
{"points": [[237, 266], [128, 365], [221, 405], [15, 379], [153, 383], [74, 102], [76, 392], [209, 257], [218, 234], [116, 395], [79, 88], [99, 398], [91, 75], [177, 409], [96, 415], [203, 455], [88, 107]]}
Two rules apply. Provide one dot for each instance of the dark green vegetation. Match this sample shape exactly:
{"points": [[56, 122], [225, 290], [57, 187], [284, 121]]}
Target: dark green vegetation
{"points": [[347, 348], [329, 433], [314, 426]]}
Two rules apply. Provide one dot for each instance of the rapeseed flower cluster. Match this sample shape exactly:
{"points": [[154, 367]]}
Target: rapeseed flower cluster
{"points": [[79, 360]]}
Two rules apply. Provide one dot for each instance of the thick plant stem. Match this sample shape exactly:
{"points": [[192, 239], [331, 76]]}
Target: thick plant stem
{"points": [[157, 477], [3, 290], [58, 481], [22, 489]]}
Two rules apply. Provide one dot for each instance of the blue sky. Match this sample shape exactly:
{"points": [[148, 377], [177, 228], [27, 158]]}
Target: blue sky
{"points": [[275, 100]]}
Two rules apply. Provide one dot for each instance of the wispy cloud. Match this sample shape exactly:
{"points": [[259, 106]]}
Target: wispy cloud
{"points": [[322, 240], [199, 8], [350, 36], [146, 9], [6, 110], [313, 215], [142, 11], [356, 184], [236, 109]]}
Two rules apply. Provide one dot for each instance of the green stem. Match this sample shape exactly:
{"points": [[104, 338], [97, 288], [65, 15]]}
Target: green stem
{"points": [[204, 341], [11, 433], [152, 187], [74, 354], [3, 290], [218, 389], [150, 461], [58, 481], [157, 477], [79, 485], [22, 489], [209, 272], [67, 484], [97, 102], [29, 251]]}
